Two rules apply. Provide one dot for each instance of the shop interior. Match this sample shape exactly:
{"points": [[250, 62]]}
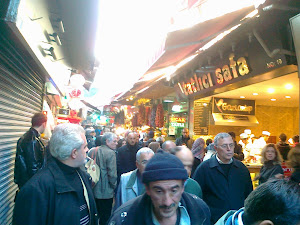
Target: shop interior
{"points": [[276, 102]]}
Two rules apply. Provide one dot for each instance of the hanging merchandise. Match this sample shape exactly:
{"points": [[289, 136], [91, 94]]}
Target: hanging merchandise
{"points": [[141, 117], [153, 114], [148, 115], [159, 119], [135, 120], [119, 117]]}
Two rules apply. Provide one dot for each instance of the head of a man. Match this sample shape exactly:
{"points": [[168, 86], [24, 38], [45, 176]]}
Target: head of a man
{"points": [[266, 135], [39, 122], [224, 146], [142, 157], [110, 140], [164, 178], [276, 202], [90, 132], [131, 139], [150, 134], [68, 144], [185, 133], [168, 145], [232, 134], [283, 137], [186, 157]]}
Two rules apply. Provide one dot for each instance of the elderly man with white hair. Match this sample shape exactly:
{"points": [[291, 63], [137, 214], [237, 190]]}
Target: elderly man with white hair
{"points": [[131, 185], [60, 193]]}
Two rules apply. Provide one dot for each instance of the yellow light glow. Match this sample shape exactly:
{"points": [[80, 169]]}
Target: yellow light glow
{"points": [[242, 96], [288, 86], [271, 90], [273, 99], [255, 93]]}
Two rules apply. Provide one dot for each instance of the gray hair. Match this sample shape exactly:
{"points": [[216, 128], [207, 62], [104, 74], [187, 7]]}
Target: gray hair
{"points": [[164, 145], [143, 150], [108, 136], [220, 136], [64, 139], [160, 139]]}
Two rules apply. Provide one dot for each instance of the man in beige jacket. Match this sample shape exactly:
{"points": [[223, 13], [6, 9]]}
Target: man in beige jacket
{"points": [[104, 189]]}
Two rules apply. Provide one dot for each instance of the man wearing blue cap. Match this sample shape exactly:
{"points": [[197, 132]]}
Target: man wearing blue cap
{"points": [[165, 201]]}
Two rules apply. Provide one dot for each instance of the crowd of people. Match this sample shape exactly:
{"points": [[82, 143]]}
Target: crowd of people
{"points": [[149, 180]]}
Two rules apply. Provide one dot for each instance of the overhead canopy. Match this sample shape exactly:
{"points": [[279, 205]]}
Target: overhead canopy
{"points": [[183, 43]]}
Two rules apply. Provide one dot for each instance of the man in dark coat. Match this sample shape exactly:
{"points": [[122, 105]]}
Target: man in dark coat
{"points": [[126, 155], [238, 150], [165, 201], [185, 139], [225, 181], [60, 193], [283, 147], [30, 151]]}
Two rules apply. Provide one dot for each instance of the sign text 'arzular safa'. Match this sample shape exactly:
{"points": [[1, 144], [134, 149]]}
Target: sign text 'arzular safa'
{"points": [[237, 68]]}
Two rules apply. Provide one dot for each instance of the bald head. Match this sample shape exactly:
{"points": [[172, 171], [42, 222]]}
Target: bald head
{"points": [[168, 145], [186, 157]]}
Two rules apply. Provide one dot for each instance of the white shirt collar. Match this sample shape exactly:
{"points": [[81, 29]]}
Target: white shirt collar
{"points": [[220, 161]]}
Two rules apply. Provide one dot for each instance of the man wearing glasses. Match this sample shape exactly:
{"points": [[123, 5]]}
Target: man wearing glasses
{"points": [[225, 181]]}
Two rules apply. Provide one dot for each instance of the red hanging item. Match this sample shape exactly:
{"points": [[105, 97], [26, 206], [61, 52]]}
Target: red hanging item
{"points": [[141, 117], [148, 115], [159, 119]]}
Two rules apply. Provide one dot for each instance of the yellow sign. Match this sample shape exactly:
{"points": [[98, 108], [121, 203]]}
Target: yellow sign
{"points": [[177, 119]]}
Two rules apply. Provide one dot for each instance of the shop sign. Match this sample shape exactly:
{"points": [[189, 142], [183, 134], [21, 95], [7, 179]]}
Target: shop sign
{"points": [[233, 106], [222, 75], [177, 124], [248, 60], [178, 119]]}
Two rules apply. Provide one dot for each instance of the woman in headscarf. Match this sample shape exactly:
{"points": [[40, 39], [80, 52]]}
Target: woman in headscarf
{"points": [[198, 152]]}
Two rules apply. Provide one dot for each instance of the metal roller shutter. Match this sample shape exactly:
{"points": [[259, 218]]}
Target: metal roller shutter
{"points": [[21, 95]]}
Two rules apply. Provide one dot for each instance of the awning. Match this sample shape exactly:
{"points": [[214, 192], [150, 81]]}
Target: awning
{"points": [[183, 43], [234, 120]]}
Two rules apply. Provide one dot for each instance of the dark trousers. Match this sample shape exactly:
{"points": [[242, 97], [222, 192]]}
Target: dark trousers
{"points": [[104, 207]]}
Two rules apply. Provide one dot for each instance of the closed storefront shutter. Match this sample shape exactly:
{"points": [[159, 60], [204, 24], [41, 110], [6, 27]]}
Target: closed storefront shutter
{"points": [[21, 95]]}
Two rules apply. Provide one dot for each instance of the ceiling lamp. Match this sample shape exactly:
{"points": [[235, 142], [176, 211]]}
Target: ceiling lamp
{"points": [[271, 90], [77, 80], [288, 86]]}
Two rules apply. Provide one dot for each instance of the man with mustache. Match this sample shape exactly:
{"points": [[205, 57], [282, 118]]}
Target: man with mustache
{"points": [[225, 181], [165, 201]]}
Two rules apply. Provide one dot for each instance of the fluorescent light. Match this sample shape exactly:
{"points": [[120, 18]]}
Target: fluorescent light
{"points": [[287, 96], [255, 93], [271, 90], [273, 99], [242, 96]]}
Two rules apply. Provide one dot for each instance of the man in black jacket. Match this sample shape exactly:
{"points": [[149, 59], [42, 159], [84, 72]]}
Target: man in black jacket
{"points": [[185, 139], [60, 193], [30, 151], [165, 201], [126, 155]]}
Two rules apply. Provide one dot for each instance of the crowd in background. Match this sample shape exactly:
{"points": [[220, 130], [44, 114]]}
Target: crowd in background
{"points": [[142, 169]]}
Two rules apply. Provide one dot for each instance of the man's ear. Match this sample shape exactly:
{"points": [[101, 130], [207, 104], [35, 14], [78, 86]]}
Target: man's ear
{"points": [[266, 222], [74, 153]]}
